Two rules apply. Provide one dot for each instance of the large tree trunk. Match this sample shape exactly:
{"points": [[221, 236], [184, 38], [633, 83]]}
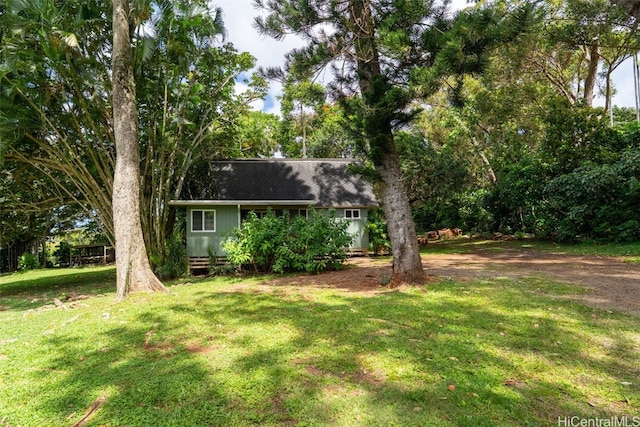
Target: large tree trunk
{"points": [[407, 264], [132, 264]]}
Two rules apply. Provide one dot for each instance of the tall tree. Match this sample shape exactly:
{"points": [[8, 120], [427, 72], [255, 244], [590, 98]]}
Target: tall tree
{"points": [[132, 263], [301, 100], [577, 37], [54, 110], [56, 113], [188, 108], [385, 54]]}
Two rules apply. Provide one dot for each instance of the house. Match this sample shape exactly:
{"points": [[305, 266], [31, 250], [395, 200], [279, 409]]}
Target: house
{"points": [[234, 188]]}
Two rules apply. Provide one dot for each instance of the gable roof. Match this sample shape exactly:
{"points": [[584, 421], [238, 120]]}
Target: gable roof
{"points": [[315, 182]]}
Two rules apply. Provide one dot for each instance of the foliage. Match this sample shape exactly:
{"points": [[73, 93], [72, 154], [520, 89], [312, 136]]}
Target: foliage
{"points": [[255, 135], [63, 253], [439, 183], [384, 57], [575, 135], [329, 139], [56, 111], [55, 77], [516, 203], [280, 243], [597, 201], [28, 261], [190, 113], [255, 242], [378, 232], [466, 210], [313, 244], [175, 262], [301, 102]]}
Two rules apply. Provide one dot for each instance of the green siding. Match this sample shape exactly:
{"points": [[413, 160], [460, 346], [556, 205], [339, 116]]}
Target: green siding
{"points": [[199, 242], [357, 228]]}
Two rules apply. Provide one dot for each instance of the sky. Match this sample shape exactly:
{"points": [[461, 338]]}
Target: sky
{"points": [[239, 16]]}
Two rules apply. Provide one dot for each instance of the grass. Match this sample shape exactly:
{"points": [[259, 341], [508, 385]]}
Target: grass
{"points": [[629, 251], [240, 352]]}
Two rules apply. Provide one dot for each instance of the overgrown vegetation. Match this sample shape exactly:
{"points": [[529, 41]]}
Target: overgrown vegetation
{"points": [[175, 262], [281, 243], [581, 182]]}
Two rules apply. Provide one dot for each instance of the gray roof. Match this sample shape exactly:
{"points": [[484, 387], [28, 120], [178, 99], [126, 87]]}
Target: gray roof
{"points": [[320, 182]]}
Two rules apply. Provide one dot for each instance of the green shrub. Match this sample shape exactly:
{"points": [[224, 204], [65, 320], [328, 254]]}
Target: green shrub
{"points": [[517, 202], [597, 201], [282, 244], [175, 263], [256, 240], [28, 262], [63, 254], [378, 232]]}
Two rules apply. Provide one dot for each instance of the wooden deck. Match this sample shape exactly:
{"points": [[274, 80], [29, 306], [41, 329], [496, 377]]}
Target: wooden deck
{"points": [[201, 264]]}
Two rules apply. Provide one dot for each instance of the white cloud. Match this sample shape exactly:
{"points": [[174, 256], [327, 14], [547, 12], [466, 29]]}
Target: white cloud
{"points": [[239, 16]]}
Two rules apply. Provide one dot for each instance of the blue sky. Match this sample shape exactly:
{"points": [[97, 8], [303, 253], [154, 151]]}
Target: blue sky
{"points": [[239, 16]]}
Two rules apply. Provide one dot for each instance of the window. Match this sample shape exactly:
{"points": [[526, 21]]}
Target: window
{"points": [[303, 212], [352, 213], [203, 220]]}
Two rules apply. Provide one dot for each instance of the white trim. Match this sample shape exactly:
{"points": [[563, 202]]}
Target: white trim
{"points": [[241, 202], [352, 216], [203, 219], [284, 203]]}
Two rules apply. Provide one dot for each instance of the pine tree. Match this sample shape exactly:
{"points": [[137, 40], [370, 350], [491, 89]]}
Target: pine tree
{"points": [[385, 54]]}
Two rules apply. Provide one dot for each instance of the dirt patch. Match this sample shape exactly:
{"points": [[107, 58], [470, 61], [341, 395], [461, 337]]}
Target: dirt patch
{"points": [[612, 283]]}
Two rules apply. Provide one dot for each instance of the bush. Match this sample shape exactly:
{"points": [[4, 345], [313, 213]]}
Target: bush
{"points": [[378, 232], [597, 201], [63, 254], [282, 244], [28, 262], [175, 263]]}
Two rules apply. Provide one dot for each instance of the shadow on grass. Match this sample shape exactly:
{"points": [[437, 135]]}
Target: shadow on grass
{"points": [[33, 289], [398, 353], [144, 382], [277, 356]]}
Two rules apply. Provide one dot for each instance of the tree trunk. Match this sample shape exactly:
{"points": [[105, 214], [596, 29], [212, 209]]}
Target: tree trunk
{"points": [[132, 264], [593, 58], [631, 6], [407, 264]]}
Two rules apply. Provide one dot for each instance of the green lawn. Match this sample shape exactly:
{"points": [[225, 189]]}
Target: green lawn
{"points": [[236, 352], [629, 251]]}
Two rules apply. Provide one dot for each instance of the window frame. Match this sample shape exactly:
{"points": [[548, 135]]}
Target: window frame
{"points": [[351, 217], [203, 222]]}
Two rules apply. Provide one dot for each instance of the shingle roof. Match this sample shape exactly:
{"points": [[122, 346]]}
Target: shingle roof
{"points": [[322, 182]]}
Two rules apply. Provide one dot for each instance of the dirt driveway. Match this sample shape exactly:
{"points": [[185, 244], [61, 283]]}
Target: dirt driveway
{"points": [[613, 283]]}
